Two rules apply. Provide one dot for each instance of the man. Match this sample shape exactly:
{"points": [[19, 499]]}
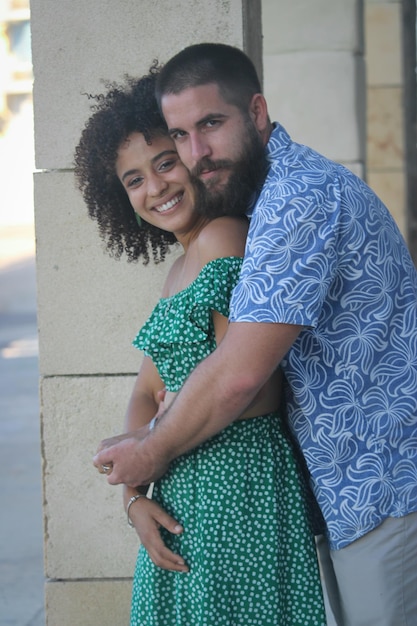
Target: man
{"points": [[327, 290]]}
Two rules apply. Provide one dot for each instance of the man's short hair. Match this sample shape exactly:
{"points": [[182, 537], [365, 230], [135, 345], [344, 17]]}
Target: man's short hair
{"points": [[211, 63]]}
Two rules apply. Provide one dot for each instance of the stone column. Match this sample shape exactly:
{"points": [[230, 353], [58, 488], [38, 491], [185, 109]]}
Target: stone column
{"points": [[314, 74], [385, 104], [90, 306]]}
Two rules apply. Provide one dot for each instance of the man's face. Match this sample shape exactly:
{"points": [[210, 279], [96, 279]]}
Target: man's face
{"points": [[218, 143]]}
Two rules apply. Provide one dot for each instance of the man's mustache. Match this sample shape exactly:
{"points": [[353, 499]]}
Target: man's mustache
{"points": [[207, 165]]}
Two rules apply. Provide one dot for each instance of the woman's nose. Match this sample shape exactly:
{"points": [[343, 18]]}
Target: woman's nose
{"points": [[156, 185]]}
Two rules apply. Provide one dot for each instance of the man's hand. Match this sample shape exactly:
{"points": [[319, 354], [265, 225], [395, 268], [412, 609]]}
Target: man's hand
{"points": [[148, 517], [112, 441], [108, 456], [128, 459]]}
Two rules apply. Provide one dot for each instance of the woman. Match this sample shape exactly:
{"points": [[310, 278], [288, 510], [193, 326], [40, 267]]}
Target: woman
{"points": [[246, 554]]}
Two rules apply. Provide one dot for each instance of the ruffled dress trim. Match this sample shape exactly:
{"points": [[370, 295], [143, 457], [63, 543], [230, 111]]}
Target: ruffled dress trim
{"points": [[179, 333]]}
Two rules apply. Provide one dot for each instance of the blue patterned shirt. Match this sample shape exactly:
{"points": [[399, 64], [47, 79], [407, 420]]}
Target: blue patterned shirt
{"points": [[323, 252]]}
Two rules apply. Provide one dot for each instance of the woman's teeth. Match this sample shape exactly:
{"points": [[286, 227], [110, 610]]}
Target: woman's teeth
{"points": [[168, 205]]}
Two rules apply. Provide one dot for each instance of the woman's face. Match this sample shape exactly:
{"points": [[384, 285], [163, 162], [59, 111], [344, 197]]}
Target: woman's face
{"points": [[157, 183]]}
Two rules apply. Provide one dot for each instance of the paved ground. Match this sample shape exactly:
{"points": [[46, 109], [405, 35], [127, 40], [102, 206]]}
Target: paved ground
{"points": [[21, 535]]}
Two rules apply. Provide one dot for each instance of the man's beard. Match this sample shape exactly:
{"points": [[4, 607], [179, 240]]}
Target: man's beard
{"points": [[247, 175]]}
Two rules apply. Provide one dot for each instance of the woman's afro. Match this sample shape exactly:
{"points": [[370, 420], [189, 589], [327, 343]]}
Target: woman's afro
{"points": [[124, 109]]}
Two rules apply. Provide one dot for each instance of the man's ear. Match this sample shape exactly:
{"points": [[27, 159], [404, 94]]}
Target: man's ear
{"points": [[258, 111]]}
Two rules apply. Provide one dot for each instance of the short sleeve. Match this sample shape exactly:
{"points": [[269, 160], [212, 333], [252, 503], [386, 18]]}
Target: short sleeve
{"points": [[216, 283], [291, 252]]}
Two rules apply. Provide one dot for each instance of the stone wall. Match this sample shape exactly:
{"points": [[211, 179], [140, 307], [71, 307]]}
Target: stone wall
{"points": [[313, 53], [385, 104]]}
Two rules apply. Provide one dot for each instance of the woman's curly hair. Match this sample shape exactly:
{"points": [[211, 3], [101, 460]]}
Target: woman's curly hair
{"points": [[124, 109]]}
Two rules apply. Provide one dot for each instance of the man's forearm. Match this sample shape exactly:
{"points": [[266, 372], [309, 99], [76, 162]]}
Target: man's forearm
{"points": [[207, 403], [215, 394], [221, 387]]}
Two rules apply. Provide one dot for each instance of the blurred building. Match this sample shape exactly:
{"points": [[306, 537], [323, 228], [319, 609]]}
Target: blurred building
{"points": [[16, 114], [15, 58]]}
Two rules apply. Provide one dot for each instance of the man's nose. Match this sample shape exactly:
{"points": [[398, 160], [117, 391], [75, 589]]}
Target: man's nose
{"points": [[200, 148]]}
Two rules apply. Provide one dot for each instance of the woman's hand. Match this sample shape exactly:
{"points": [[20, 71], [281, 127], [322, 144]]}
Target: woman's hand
{"points": [[148, 517]]}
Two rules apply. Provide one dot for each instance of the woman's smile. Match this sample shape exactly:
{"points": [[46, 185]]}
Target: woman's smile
{"points": [[166, 206]]}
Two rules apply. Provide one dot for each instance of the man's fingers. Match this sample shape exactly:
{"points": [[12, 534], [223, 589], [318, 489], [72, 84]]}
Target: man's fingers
{"points": [[102, 458], [105, 469], [112, 441], [104, 463], [132, 463]]}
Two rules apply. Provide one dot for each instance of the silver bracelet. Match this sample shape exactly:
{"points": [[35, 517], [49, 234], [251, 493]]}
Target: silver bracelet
{"points": [[129, 504]]}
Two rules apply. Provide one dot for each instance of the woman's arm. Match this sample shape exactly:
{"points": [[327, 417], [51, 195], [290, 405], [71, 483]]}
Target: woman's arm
{"points": [[143, 405], [144, 400], [145, 515]]}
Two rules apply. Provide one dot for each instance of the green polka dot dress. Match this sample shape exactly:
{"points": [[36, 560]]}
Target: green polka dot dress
{"points": [[240, 497]]}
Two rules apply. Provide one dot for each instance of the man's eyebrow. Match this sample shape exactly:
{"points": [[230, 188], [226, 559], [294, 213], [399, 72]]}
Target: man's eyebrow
{"points": [[209, 117], [200, 122], [172, 131]]}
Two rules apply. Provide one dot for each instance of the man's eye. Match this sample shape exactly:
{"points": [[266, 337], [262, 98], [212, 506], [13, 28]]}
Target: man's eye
{"points": [[178, 135], [212, 124]]}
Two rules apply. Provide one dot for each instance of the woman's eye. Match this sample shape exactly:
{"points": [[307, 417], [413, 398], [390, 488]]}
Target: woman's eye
{"points": [[167, 165], [135, 182]]}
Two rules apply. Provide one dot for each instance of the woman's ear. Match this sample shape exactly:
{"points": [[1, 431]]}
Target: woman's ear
{"points": [[258, 111]]}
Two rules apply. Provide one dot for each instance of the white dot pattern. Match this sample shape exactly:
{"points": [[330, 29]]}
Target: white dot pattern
{"points": [[247, 537], [179, 332]]}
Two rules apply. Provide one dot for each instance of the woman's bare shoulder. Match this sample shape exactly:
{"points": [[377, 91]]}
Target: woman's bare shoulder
{"points": [[222, 237], [172, 276]]}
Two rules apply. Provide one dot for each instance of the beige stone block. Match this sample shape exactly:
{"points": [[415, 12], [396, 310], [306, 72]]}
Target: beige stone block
{"points": [[78, 44], [390, 187], [90, 305], [314, 96], [385, 140], [310, 25], [86, 534], [383, 47], [88, 603]]}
